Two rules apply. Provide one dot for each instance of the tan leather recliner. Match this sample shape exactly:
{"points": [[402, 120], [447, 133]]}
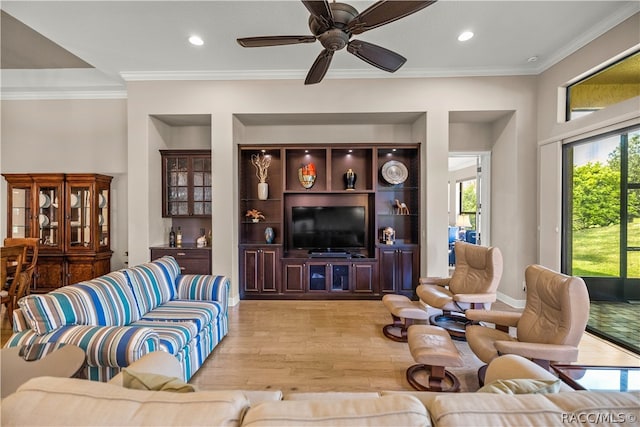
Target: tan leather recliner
{"points": [[549, 328], [474, 284]]}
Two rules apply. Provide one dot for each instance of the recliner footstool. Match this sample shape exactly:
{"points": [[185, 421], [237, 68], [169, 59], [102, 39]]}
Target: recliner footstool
{"points": [[433, 350], [404, 313]]}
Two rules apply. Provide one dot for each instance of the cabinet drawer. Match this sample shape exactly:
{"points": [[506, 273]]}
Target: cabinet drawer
{"points": [[194, 266], [190, 260], [178, 253]]}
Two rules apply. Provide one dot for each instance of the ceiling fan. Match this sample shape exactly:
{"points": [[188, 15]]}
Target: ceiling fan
{"points": [[333, 24]]}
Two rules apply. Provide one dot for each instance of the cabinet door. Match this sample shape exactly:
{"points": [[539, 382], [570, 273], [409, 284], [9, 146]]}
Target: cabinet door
{"points": [[186, 178], [364, 277], [79, 217], [407, 273], [387, 269], [49, 275], [317, 275], [260, 270], [50, 214], [340, 276], [294, 273], [398, 270], [200, 186], [104, 217], [250, 267], [21, 215], [79, 269], [269, 263]]}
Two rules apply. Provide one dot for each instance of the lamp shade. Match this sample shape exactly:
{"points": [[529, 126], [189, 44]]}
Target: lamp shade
{"points": [[463, 221]]}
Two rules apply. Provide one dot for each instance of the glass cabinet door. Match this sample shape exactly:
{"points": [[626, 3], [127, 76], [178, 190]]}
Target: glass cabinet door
{"points": [[79, 216], [21, 214], [103, 217], [177, 186], [186, 182], [49, 214], [201, 186]]}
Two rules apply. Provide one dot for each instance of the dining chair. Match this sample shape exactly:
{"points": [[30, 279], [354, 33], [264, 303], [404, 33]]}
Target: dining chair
{"points": [[9, 257]]}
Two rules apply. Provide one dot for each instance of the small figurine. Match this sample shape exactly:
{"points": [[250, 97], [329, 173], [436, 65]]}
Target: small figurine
{"points": [[401, 208], [389, 235]]}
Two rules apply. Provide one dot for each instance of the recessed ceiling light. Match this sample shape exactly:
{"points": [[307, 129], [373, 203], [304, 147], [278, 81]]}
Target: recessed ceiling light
{"points": [[465, 35], [196, 41], [532, 59]]}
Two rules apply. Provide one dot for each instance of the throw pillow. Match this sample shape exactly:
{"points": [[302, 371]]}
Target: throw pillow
{"points": [[155, 382], [521, 386]]}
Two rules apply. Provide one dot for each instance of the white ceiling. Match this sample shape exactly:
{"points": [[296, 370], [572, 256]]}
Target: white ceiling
{"points": [[147, 40]]}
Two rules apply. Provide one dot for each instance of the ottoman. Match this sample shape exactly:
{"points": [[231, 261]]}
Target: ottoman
{"points": [[433, 350], [404, 313]]}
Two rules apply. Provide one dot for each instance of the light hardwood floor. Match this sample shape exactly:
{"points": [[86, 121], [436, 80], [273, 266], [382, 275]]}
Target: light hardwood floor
{"points": [[326, 345], [329, 345]]}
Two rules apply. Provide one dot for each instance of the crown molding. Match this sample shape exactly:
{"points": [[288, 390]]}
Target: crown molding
{"points": [[26, 95], [587, 37]]}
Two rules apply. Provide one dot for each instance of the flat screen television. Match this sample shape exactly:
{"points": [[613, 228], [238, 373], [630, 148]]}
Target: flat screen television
{"points": [[328, 227]]}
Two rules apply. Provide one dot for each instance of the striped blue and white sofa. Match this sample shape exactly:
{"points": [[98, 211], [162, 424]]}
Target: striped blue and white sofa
{"points": [[121, 316]]}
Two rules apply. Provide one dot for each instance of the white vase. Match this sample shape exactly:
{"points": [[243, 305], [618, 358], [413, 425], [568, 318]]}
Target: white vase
{"points": [[263, 190]]}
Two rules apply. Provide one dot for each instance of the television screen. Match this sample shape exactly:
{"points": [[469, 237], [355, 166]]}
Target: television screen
{"points": [[324, 227]]}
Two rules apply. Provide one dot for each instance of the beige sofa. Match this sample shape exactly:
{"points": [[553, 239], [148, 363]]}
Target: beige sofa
{"points": [[60, 401]]}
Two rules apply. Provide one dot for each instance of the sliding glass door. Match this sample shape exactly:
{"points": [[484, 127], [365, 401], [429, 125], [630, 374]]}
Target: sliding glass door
{"points": [[601, 214], [601, 230]]}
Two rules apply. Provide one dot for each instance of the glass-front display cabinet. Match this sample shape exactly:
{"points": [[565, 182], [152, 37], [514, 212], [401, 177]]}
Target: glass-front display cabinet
{"points": [[87, 217], [70, 216], [186, 183]]}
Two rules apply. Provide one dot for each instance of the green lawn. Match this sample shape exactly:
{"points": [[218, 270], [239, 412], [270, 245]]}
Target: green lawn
{"points": [[596, 251]]}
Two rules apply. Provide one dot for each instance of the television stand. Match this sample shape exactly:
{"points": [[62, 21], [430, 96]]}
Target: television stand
{"points": [[329, 253]]}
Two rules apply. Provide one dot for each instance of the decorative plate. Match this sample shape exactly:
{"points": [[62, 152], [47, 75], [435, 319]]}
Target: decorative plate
{"points": [[43, 220], [44, 200], [394, 172], [75, 201]]}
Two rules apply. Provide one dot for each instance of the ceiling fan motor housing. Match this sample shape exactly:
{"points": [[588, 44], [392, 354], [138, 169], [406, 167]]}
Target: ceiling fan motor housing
{"points": [[334, 38]]}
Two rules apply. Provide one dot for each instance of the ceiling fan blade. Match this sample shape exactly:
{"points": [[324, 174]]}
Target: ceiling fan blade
{"points": [[376, 55], [384, 12], [320, 9], [274, 40], [319, 67]]}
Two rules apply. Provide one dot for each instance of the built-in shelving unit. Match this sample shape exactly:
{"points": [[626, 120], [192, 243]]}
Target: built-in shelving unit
{"points": [[282, 270]]}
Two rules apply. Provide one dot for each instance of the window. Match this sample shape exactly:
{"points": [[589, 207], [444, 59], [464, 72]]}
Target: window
{"points": [[602, 213], [616, 83], [467, 199]]}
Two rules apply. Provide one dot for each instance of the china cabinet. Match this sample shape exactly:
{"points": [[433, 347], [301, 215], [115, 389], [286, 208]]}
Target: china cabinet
{"points": [[186, 183], [70, 215]]}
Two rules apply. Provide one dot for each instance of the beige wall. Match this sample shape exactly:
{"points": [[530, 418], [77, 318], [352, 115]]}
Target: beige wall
{"points": [[69, 136], [117, 137], [553, 131], [431, 99]]}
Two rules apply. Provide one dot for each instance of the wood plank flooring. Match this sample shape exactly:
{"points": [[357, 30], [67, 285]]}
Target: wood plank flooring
{"points": [[315, 346]]}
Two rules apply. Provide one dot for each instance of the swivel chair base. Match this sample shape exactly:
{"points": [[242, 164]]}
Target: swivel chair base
{"points": [[455, 324]]}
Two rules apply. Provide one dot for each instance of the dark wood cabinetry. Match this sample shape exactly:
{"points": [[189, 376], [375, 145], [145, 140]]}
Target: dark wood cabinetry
{"points": [[192, 260], [260, 272], [398, 270], [70, 215], [391, 200], [186, 183]]}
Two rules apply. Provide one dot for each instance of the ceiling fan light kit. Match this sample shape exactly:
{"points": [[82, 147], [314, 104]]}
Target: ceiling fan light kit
{"points": [[333, 25]]}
